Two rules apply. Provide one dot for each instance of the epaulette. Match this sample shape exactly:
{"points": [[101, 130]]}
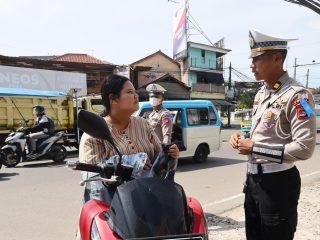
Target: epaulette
{"points": [[277, 86]]}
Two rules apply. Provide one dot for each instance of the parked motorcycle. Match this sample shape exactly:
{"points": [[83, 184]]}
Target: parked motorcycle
{"points": [[1, 157], [152, 207], [16, 149]]}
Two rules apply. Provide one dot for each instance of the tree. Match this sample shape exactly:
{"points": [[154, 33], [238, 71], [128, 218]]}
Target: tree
{"points": [[317, 90], [245, 98]]}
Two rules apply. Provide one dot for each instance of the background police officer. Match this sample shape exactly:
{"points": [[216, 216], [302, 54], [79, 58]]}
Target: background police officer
{"points": [[160, 118], [283, 131]]}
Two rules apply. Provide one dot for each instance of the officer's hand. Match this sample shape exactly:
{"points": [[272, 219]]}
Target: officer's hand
{"points": [[147, 165], [245, 146], [234, 140]]}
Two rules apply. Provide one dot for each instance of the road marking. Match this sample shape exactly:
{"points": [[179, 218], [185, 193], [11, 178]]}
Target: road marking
{"points": [[223, 200], [310, 174], [242, 195]]}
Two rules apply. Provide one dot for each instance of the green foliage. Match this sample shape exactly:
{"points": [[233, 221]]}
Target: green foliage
{"points": [[317, 90], [245, 98]]}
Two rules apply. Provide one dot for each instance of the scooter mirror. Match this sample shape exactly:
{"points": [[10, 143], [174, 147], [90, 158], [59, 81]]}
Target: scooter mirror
{"points": [[94, 125]]}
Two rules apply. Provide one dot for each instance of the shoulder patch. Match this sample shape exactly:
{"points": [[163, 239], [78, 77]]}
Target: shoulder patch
{"points": [[166, 118], [303, 108]]}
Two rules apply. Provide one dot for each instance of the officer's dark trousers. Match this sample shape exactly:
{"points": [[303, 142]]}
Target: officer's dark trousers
{"points": [[271, 203]]}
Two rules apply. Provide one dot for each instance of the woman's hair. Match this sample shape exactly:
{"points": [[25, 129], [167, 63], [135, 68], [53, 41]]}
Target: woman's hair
{"points": [[111, 87]]}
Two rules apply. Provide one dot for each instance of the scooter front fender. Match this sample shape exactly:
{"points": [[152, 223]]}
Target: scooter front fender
{"points": [[199, 221], [12, 147], [93, 211]]}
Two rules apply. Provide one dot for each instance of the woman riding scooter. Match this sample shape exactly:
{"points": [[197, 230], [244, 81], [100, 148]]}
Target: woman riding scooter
{"points": [[131, 134]]}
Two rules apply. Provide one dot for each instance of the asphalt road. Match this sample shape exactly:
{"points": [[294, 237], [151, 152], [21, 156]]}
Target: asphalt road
{"points": [[42, 200]]}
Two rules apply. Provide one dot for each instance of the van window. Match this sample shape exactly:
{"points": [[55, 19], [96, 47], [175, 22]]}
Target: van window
{"points": [[213, 116], [197, 116]]}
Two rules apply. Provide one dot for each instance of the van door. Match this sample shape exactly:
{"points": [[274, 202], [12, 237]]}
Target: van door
{"points": [[177, 133], [202, 132]]}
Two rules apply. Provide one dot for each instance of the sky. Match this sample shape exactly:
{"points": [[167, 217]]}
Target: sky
{"points": [[124, 31]]}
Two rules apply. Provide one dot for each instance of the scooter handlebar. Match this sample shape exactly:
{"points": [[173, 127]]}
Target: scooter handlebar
{"points": [[105, 170], [75, 165]]}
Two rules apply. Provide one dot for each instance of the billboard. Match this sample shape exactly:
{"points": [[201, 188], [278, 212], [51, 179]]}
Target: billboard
{"points": [[180, 31], [39, 79]]}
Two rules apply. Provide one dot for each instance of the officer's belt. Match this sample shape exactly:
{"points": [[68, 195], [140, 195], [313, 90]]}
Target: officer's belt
{"points": [[268, 167]]}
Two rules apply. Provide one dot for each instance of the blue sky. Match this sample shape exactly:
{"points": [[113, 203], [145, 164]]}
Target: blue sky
{"points": [[124, 31]]}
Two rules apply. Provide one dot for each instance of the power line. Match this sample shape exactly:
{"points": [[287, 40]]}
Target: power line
{"points": [[242, 76], [308, 64], [314, 5], [197, 26]]}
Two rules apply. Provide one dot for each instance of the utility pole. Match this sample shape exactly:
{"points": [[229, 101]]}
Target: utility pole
{"points": [[295, 68], [229, 89], [307, 83]]}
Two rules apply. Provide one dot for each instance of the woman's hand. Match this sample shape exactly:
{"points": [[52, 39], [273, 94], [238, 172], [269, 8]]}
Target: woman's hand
{"points": [[174, 151], [148, 165]]}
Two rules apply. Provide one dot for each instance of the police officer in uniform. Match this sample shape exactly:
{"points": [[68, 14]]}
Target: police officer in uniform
{"points": [[160, 118], [283, 132]]}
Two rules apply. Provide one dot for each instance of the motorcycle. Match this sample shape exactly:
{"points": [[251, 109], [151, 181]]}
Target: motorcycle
{"points": [[1, 156], [16, 148], [152, 207]]}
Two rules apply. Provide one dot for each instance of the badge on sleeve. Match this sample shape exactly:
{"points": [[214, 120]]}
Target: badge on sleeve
{"points": [[166, 118], [303, 108], [306, 107]]}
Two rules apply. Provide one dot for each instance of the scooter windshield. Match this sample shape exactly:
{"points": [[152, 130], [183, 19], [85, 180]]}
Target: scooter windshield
{"points": [[148, 207]]}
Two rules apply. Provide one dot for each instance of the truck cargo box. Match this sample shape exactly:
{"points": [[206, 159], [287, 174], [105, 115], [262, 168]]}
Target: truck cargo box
{"points": [[16, 109]]}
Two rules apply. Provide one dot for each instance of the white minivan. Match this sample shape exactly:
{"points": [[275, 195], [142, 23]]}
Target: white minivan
{"points": [[317, 111], [196, 129]]}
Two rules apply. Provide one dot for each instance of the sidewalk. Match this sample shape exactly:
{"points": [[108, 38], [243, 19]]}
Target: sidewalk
{"points": [[231, 224]]}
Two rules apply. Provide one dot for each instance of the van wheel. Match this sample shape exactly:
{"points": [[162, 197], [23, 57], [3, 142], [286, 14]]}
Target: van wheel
{"points": [[10, 158], [58, 153], [201, 154]]}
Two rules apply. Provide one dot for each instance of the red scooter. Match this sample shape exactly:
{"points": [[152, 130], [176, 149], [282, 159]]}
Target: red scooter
{"points": [[153, 207]]}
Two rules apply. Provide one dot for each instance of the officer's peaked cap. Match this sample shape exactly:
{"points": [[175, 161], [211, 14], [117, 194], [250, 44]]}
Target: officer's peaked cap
{"points": [[155, 88], [260, 43]]}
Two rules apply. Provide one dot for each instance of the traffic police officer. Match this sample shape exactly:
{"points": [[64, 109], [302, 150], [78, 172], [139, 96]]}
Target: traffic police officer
{"points": [[160, 118], [283, 131]]}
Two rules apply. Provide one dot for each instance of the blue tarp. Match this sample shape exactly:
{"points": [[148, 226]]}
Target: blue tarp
{"points": [[29, 92]]}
